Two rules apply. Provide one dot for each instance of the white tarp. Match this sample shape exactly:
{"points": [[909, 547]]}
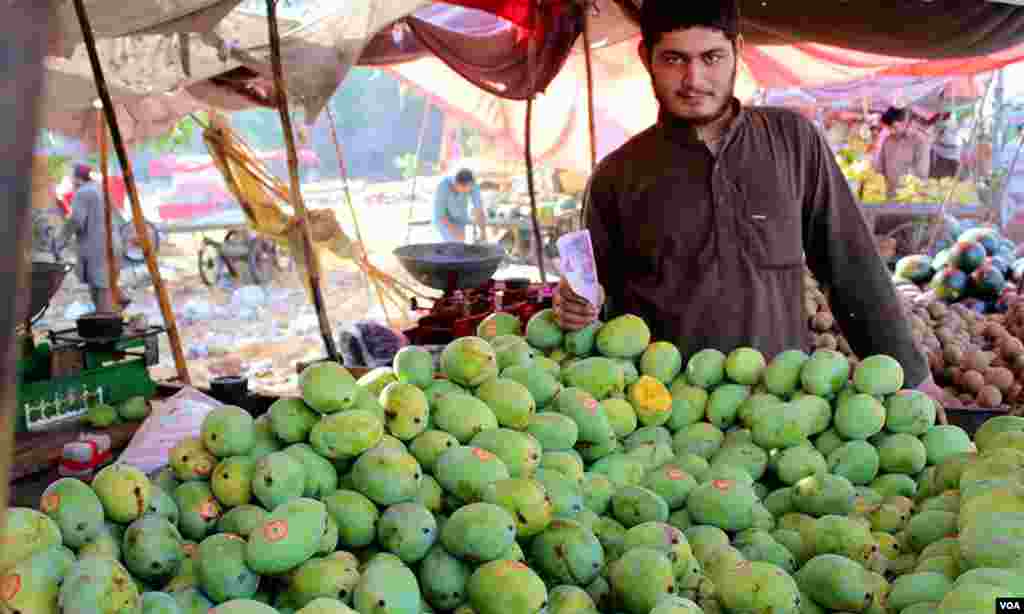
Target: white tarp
{"points": [[163, 46]]}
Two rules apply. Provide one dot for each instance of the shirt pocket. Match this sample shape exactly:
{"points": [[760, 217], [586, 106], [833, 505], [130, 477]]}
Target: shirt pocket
{"points": [[772, 223], [775, 239]]}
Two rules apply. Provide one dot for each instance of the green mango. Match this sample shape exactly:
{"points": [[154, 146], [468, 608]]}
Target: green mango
{"points": [[292, 420], [33, 585], [333, 577], [568, 552], [124, 492], [479, 532], [153, 549], [414, 365], [277, 478], [520, 452], [290, 537], [76, 509], [327, 387], [506, 587], [321, 476], [97, 585], [387, 586], [231, 481], [228, 431], [198, 509], [222, 571]]}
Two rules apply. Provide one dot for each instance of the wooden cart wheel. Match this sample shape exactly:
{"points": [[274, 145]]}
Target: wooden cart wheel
{"points": [[262, 260], [130, 245], [209, 258]]}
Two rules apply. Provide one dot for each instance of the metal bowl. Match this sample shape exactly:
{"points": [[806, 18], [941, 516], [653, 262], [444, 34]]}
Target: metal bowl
{"points": [[451, 266], [45, 279]]}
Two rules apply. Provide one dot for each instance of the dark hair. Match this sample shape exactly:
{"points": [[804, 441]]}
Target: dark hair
{"points": [[465, 176], [658, 17], [893, 115]]}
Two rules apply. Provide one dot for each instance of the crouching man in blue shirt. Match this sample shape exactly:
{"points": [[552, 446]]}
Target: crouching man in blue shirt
{"points": [[451, 206]]}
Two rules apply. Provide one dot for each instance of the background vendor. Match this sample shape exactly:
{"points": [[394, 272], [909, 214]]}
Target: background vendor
{"points": [[88, 224], [452, 203], [903, 152]]}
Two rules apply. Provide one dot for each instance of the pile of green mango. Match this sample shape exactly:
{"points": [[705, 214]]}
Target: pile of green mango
{"points": [[543, 471]]}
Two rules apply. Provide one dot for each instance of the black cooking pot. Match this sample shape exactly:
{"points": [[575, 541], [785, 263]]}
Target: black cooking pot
{"points": [[100, 326], [230, 389]]}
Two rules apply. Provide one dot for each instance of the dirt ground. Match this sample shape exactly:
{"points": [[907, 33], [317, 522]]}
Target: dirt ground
{"points": [[263, 332]]}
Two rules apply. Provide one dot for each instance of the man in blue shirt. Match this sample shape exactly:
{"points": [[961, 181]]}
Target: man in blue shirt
{"points": [[451, 206]]}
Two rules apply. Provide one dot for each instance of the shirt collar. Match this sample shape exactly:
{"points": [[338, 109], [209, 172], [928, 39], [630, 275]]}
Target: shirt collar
{"points": [[684, 133]]}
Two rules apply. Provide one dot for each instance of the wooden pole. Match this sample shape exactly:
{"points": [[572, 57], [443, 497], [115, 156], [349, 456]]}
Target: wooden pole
{"points": [[938, 221], [129, 179], [343, 168], [26, 28], [312, 263], [108, 215], [419, 148], [591, 120], [538, 240]]}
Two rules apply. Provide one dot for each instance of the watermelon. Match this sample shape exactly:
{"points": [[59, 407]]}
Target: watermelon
{"points": [[1017, 269], [987, 283], [916, 268], [941, 260], [967, 255], [980, 233], [1001, 263], [950, 284]]}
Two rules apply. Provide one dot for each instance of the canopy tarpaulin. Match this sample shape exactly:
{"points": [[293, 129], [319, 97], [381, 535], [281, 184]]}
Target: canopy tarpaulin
{"points": [[218, 54], [624, 104], [925, 95]]}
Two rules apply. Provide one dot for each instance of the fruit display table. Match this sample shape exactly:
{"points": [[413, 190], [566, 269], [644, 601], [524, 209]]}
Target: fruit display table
{"points": [[40, 452]]}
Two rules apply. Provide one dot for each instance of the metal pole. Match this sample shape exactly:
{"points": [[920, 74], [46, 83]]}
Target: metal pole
{"points": [[416, 170], [22, 48], [129, 178], [302, 215], [352, 210]]}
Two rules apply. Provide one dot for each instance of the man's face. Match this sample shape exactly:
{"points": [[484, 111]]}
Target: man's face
{"points": [[693, 72], [462, 188]]}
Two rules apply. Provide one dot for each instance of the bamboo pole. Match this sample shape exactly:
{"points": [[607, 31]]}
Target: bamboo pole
{"points": [[591, 120], [108, 215], [343, 168], [22, 50], [416, 171], [312, 262], [129, 178], [538, 240]]}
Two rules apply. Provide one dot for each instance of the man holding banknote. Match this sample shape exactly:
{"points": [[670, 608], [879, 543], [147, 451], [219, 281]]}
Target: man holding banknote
{"points": [[701, 224]]}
